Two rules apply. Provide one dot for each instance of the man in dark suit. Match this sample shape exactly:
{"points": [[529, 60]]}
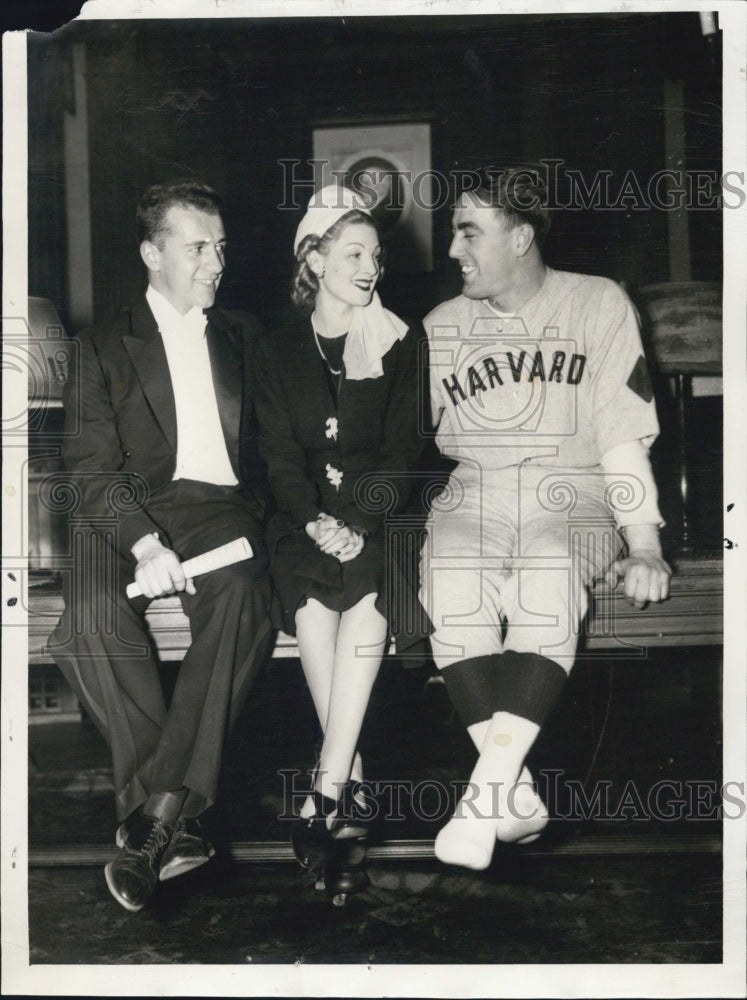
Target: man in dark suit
{"points": [[161, 453]]}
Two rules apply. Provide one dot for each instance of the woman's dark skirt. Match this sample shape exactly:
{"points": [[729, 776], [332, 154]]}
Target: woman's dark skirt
{"points": [[300, 572]]}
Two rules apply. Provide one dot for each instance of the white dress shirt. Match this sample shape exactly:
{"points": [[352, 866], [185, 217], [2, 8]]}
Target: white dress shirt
{"points": [[201, 452]]}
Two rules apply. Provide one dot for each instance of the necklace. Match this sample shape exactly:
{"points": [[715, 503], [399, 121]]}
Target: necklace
{"points": [[334, 371]]}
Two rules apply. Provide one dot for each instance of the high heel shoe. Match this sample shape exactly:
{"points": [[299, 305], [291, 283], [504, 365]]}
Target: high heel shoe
{"points": [[311, 837], [354, 813], [333, 849], [343, 874]]}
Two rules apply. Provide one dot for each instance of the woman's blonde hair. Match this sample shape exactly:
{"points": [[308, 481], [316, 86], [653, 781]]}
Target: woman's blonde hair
{"points": [[304, 283]]}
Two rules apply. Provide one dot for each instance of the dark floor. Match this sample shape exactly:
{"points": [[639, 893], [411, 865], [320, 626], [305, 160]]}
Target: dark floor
{"points": [[623, 887], [587, 910]]}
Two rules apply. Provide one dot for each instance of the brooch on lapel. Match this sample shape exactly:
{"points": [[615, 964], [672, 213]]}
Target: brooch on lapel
{"points": [[334, 475]]}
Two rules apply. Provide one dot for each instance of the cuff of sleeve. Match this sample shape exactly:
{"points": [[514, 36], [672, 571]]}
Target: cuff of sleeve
{"points": [[359, 529], [630, 489], [363, 522], [145, 544]]}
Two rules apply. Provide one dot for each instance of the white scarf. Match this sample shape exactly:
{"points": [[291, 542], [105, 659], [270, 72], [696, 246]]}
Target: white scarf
{"points": [[372, 332]]}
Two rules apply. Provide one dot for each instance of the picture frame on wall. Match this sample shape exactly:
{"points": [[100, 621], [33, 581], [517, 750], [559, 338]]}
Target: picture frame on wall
{"points": [[389, 164]]}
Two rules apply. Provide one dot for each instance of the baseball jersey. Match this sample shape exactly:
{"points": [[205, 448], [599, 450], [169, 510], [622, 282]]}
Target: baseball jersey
{"points": [[563, 381]]}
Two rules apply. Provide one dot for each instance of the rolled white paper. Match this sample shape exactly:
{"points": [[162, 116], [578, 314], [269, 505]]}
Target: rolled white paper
{"points": [[224, 555]]}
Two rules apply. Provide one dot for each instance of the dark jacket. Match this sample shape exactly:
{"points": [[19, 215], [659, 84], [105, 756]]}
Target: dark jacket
{"points": [[120, 416], [375, 450]]}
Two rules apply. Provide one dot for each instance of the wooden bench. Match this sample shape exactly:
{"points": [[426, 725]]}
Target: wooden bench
{"points": [[692, 616], [682, 333]]}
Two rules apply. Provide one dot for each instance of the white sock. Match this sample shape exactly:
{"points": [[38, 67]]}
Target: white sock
{"points": [[469, 837], [497, 803], [524, 814]]}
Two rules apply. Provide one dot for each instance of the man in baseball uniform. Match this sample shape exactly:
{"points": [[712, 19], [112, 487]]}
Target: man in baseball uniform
{"points": [[541, 396]]}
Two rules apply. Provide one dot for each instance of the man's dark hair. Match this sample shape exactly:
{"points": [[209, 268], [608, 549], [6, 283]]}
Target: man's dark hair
{"points": [[158, 199], [520, 192]]}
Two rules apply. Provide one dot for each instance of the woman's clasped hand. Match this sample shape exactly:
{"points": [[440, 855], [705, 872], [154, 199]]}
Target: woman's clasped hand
{"points": [[335, 538]]}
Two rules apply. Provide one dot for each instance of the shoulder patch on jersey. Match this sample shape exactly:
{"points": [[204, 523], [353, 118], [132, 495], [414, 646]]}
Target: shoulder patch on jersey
{"points": [[640, 381]]}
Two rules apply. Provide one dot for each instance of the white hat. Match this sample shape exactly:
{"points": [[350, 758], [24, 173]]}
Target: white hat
{"points": [[326, 207]]}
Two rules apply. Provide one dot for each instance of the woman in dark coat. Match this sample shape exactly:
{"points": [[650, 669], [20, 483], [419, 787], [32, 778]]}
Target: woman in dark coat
{"points": [[338, 410]]}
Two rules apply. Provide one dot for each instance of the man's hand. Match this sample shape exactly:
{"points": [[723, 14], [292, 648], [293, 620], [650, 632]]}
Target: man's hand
{"points": [[646, 577], [158, 570], [644, 571]]}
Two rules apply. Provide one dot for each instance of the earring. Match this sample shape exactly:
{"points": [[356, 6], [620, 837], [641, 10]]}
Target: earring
{"points": [[320, 274]]}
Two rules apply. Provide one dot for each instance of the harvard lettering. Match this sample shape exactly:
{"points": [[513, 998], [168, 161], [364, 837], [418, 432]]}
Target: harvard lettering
{"points": [[486, 374]]}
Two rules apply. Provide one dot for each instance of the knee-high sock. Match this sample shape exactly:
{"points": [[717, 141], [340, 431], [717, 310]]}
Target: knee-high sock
{"points": [[513, 692]]}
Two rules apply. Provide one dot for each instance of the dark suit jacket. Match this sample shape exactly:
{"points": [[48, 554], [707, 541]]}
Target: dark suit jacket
{"points": [[121, 417]]}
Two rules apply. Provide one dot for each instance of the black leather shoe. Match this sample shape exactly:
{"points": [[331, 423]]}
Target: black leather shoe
{"points": [[314, 838], [133, 875], [189, 848]]}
